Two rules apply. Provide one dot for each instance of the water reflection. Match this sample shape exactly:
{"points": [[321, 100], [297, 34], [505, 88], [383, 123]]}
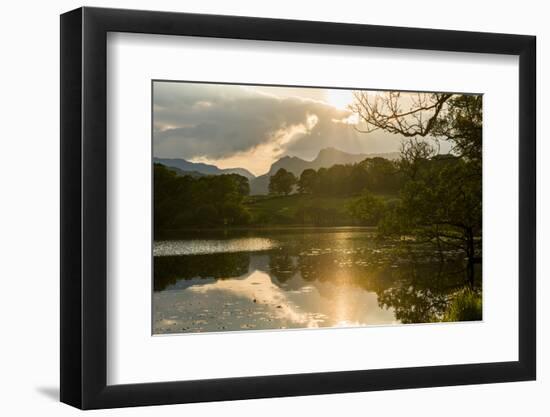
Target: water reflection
{"points": [[307, 279], [204, 246], [259, 289]]}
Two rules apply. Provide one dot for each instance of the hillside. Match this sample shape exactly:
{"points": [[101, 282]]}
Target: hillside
{"points": [[304, 210], [300, 209], [201, 168], [181, 172]]}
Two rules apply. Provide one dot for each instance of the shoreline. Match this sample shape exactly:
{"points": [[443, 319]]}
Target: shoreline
{"points": [[227, 230]]}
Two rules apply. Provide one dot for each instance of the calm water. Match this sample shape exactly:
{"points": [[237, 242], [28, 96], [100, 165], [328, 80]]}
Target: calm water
{"points": [[297, 279]]}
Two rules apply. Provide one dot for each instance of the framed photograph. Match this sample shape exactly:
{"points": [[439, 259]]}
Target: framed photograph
{"points": [[257, 208]]}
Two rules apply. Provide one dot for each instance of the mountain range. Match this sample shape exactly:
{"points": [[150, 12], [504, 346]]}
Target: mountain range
{"points": [[259, 185], [325, 159], [193, 168]]}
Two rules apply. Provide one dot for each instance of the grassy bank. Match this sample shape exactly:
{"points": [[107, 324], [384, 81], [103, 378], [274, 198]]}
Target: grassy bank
{"points": [[301, 209]]}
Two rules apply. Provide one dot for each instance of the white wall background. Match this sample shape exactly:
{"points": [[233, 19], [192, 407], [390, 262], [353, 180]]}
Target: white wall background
{"points": [[29, 210]]}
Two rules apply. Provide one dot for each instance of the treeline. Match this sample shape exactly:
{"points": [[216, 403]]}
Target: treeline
{"points": [[398, 196], [185, 201], [378, 175], [214, 201], [430, 187]]}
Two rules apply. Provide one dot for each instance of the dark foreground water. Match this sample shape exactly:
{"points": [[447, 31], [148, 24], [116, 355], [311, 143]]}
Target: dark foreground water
{"points": [[300, 278]]}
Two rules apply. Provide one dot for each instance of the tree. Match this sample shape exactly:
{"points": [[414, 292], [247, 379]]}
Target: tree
{"points": [[443, 205], [367, 209], [414, 155], [382, 175], [456, 118], [282, 182], [242, 184], [441, 198], [307, 181], [384, 111]]}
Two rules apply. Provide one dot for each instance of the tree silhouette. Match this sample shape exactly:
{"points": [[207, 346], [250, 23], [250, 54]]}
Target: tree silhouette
{"points": [[282, 182], [307, 181]]}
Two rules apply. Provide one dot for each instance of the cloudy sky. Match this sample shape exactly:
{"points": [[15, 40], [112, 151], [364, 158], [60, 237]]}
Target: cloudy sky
{"points": [[252, 126]]}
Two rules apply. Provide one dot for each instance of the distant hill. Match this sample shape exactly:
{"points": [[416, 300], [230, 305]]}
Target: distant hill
{"points": [[259, 185], [325, 159], [181, 172], [201, 168]]}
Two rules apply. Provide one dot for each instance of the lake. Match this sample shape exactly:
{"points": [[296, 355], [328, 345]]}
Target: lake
{"points": [[298, 278]]}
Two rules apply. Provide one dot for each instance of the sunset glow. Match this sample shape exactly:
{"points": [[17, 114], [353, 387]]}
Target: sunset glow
{"points": [[341, 99]]}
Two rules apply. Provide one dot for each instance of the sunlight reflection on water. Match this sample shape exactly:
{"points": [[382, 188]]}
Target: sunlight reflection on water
{"points": [[297, 279], [208, 246], [254, 301]]}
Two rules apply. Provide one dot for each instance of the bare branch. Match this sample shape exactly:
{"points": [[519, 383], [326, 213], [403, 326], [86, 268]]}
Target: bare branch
{"points": [[383, 111]]}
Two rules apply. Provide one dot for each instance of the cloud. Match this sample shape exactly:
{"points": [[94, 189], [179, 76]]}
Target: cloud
{"points": [[213, 122]]}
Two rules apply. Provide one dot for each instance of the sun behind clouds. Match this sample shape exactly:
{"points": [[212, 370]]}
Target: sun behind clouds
{"points": [[341, 99]]}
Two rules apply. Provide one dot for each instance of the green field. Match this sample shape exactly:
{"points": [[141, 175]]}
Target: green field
{"points": [[301, 209]]}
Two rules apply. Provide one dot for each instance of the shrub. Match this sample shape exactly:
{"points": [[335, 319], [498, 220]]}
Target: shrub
{"points": [[465, 307]]}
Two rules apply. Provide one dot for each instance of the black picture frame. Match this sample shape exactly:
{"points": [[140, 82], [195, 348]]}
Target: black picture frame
{"points": [[84, 207]]}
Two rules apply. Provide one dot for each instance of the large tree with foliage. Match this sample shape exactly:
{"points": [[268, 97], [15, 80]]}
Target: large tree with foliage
{"points": [[308, 181], [441, 198], [282, 182]]}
